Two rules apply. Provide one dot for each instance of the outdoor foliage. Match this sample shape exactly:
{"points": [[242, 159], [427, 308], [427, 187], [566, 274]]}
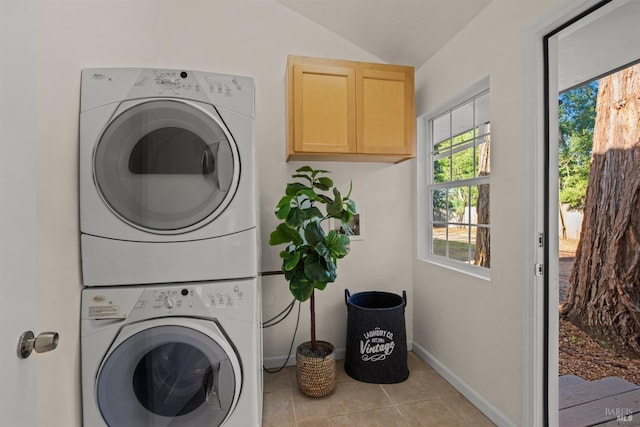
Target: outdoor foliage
{"points": [[577, 112]]}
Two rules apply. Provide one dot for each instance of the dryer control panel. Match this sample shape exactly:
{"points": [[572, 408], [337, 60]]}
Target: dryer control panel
{"points": [[102, 86]]}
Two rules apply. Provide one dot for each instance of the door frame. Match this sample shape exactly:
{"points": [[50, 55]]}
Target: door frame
{"points": [[540, 330]]}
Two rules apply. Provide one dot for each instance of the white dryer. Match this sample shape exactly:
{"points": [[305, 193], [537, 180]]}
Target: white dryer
{"points": [[179, 355], [166, 177]]}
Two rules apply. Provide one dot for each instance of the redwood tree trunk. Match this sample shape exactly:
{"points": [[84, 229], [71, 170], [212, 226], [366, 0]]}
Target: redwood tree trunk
{"points": [[604, 286], [483, 241]]}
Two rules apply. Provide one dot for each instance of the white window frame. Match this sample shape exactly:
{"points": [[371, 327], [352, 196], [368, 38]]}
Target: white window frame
{"points": [[425, 184]]}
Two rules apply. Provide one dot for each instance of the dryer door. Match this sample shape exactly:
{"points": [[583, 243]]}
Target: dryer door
{"points": [[168, 375], [166, 166]]}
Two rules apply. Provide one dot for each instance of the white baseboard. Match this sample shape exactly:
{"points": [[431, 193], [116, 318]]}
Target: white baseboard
{"points": [[493, 413]]}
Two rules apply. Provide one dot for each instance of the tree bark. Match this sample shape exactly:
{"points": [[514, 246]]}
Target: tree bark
{"points": [[483, 243], [604, 287]]}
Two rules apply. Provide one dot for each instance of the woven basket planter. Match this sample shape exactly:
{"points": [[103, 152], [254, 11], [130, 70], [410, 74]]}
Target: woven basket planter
{"points": [[316, 376]]}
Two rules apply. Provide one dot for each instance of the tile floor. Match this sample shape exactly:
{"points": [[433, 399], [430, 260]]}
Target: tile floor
{"points": [[424, 399]]}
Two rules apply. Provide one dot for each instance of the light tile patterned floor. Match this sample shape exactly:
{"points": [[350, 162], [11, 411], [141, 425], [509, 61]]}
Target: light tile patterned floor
{"points": [[424, 399]]}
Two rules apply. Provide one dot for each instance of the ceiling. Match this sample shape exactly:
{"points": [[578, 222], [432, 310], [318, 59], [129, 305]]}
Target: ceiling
{"points": [[406, 32]]}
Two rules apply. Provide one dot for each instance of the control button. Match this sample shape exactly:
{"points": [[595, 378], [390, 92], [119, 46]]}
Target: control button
{"points": [[183, 74], [169, 302], [184, 292]]}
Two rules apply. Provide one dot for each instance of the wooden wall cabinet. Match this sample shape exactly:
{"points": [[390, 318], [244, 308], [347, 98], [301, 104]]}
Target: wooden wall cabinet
{"points": [[349, 111]]}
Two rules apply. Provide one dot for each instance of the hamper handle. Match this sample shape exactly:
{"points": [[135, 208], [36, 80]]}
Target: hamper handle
{"points": [[347, 296], [404, 298]]}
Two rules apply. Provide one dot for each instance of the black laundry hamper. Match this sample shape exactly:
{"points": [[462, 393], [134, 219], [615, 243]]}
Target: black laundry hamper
{"points": [[376, 337]]}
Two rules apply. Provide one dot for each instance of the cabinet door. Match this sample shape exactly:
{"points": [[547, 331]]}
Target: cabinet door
{"points": [[324, 108], [386, 112]]}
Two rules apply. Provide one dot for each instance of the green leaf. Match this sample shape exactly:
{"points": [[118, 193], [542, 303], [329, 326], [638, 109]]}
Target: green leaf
{"points": [[293, 188], [323, 250], [337, 244], [324, 199], [334, 207], [307, 177], [324, 183], [320, 186], [305, 169], [301, 290], [316, 172], [314, 233], [292, 262], [285, 234], [283, 211], [286, 200], [283, 207], [351, 206], [317, 269], [312, 212], [319, 285], [308, 192], [296, 217]]}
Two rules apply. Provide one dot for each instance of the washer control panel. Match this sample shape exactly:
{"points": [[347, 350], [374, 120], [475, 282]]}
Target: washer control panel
{"points": [[229, 299]]}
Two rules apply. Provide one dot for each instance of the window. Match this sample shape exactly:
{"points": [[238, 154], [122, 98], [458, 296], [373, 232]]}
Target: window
{"points": [[456, 172]]}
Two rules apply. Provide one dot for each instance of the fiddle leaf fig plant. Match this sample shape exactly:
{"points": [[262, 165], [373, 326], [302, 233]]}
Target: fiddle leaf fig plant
{"points": [[309, 260]]}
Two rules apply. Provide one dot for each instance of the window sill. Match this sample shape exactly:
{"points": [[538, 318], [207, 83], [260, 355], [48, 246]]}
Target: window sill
{"points": [[460, 267]]}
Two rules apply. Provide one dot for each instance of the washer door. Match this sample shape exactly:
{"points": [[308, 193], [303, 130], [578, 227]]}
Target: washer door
{"points": [[166, 166], [169, 375]]}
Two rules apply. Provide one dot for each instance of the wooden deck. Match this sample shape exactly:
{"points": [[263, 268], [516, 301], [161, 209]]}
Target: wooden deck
{"points": [[607, 402]]}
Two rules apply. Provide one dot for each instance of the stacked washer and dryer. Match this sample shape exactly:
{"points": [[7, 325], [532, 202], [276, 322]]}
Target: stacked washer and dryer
{"points": [[171, 310]]}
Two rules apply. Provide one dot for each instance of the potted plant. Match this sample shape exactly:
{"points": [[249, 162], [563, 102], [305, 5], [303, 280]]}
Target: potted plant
{"points": [[309, 261]]}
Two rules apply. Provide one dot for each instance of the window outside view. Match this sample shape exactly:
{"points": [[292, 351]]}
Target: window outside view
{"points": [[459, 183]]}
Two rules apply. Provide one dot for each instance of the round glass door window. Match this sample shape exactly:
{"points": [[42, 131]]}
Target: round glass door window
{"points": [[167, 372], [166, 166]]}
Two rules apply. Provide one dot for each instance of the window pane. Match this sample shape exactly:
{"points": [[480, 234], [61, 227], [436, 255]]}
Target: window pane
{"points": [[482, 114], [442, 170], [439, 236], [480, 204], [459, 243], [458, 204], [481, 246], [439, 203], [442, 147], [483, 157], [462, 119], [441, 128], [462, 164]]}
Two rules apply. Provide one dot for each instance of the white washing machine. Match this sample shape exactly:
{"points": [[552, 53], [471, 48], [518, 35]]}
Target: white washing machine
{"points": [[166, 177], [179, 355]]}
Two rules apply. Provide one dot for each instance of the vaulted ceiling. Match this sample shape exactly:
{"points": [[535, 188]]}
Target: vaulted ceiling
{"points": [[406, 32]]}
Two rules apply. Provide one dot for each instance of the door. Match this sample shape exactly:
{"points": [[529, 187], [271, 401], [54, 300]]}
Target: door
{"points": [[166, 166], [323, 99], [385, 110], [18, 222], [593, 46], [164, 369]]}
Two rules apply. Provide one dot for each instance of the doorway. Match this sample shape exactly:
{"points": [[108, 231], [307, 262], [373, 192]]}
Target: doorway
{"points": [[578, 53]]}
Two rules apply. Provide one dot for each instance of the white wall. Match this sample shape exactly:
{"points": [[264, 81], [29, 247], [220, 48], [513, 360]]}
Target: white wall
{"points": [[245, 37], [473, 327], [18, 221]]}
